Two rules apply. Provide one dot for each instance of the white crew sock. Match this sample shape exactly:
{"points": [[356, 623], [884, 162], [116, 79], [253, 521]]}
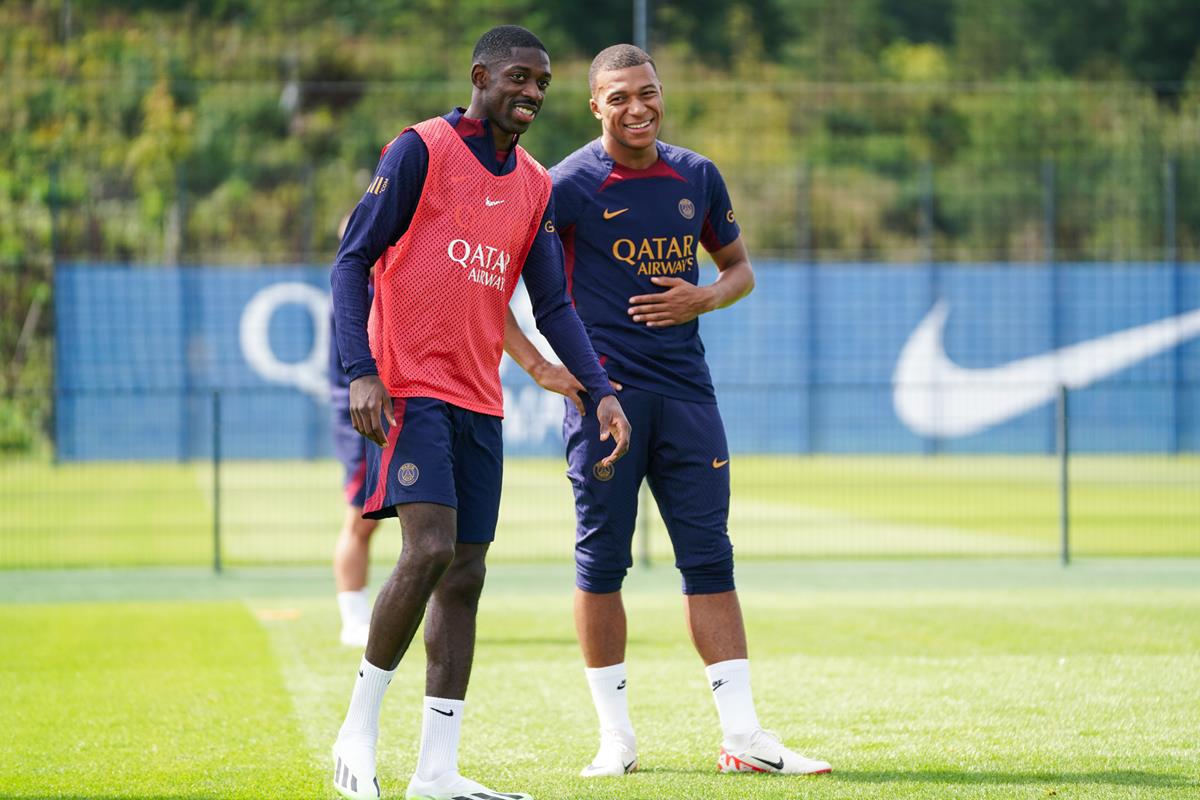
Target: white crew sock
{"points": [[610, 698], [355, 607], [362, 719], [441, 726], [730, 682]]}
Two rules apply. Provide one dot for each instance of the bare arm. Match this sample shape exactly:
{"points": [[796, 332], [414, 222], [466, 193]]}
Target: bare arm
{"points": [[554, 377]]}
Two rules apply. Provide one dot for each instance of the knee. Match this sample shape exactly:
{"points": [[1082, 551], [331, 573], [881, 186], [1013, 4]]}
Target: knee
{"points": [[464, 579], [596, 578], [361, 529], [432, 553], [711, 578]]}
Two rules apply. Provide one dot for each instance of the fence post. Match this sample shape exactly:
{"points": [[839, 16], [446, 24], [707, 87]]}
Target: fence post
{"points": [[1064, 484], [1050, 254], [640, 24], [1049, 210], [216, 479], [927, 210], [806, 251], [55, 362], [1170, 257]]}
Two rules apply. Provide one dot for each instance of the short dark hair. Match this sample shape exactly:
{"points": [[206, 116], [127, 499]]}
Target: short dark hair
{"points": [[499, 42], [619, 56]]}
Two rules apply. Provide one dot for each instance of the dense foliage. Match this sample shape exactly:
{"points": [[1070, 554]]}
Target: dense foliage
{"points": [[240, 131]]}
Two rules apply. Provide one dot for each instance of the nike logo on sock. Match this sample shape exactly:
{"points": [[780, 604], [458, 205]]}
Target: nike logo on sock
{"points": [[773, 764], [719, 684], [621, 685], [360, 673], [449, 713]]}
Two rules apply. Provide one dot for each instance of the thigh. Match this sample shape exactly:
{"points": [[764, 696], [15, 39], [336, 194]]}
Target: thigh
{"points": [[350, 447], [417, 465], [606, 498], [478, 474], [689, 476]]}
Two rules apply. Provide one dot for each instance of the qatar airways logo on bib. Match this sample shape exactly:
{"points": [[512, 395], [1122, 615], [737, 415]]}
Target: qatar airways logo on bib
{"points": [[485, 264]]}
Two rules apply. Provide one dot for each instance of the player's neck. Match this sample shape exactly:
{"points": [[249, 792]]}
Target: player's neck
{"points": [[502, 142], [641, 158]]}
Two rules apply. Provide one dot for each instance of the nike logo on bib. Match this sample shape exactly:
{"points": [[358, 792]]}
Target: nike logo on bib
{"points": [[487, 201], [610, 214], [933, 396]]}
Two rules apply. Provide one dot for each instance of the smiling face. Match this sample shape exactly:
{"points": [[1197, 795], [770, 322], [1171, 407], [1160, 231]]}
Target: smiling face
{"points": [[629, 104], [509, 91]]}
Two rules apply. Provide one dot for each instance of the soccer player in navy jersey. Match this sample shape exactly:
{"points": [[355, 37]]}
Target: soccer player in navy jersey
{"points": [[631, 211], [457, 211]]}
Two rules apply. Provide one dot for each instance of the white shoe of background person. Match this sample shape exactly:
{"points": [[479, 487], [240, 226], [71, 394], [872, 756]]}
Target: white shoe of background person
{"points": [[354, 634], [617, 756], [765, 753]]}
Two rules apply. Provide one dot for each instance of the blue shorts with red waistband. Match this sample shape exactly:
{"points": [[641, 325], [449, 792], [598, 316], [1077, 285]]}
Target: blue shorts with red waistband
{"points": [[350, 447], [439, 453], [679, 447]]}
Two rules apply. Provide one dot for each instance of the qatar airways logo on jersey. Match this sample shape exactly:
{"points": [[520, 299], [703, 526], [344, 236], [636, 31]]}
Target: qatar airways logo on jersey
{"points": [[657, 255], [485, 264]]}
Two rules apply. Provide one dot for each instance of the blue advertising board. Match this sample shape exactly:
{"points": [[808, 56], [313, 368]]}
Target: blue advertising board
{"points": [[846, 358]]}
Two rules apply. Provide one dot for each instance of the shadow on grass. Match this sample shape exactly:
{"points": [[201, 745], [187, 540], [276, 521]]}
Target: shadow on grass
{"points": [[1109, 777], [965, 777]]}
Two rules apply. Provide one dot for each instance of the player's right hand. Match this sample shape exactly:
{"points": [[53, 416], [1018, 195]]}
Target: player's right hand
{"points": [[613, 423], [369, 404]]}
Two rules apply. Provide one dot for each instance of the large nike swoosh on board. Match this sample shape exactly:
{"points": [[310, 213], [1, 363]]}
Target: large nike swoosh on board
{"points": [[933, 396]]}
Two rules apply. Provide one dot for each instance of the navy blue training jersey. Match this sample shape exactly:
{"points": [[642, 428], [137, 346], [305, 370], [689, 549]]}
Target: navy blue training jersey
{"points": [[620, 227]]}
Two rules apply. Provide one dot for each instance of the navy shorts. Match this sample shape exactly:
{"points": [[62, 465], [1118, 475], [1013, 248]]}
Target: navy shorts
{"points": [[350, 447], [679, 447], [439, 453]]}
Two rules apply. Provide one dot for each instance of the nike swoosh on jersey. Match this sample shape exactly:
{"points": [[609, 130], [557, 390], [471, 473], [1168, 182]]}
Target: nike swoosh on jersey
{"points": [[610, 214], [933, 396], [717, 463], [489, 202]]}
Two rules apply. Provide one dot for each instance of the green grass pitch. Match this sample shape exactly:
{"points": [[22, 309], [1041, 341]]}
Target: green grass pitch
{"points": [[272, 512], [963, 678]]}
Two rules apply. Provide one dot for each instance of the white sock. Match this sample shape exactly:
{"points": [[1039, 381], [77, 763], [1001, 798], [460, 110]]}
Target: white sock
{"points": [[610, 698], [730, 682], [361, 726], [355, 607], [441, 726]]}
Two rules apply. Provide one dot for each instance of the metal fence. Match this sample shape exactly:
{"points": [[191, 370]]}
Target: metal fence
{"points": [[876, 200]]}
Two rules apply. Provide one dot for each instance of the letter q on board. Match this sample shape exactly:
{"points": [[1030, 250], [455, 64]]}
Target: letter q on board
{"points": [[254, 334]]}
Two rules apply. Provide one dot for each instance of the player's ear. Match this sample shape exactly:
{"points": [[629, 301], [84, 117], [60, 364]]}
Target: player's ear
{"points": [[479, 75], [592, 104]]}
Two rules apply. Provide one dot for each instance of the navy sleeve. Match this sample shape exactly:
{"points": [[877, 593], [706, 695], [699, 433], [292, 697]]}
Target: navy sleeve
{"points": [[555, 316], [720, 227], [381, 217]]}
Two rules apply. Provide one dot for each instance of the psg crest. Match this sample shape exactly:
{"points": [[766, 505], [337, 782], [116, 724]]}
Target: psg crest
{"points": [[408, 474], [602, 471]]}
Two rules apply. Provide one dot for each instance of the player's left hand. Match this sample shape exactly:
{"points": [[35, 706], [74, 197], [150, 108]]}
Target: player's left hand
{"points": [[682, 302], [613, 423], [558, 379]]}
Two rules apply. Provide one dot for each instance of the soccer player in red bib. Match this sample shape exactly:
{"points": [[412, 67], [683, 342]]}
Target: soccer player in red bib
{"points": [[457, 211], [631, 211]]}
